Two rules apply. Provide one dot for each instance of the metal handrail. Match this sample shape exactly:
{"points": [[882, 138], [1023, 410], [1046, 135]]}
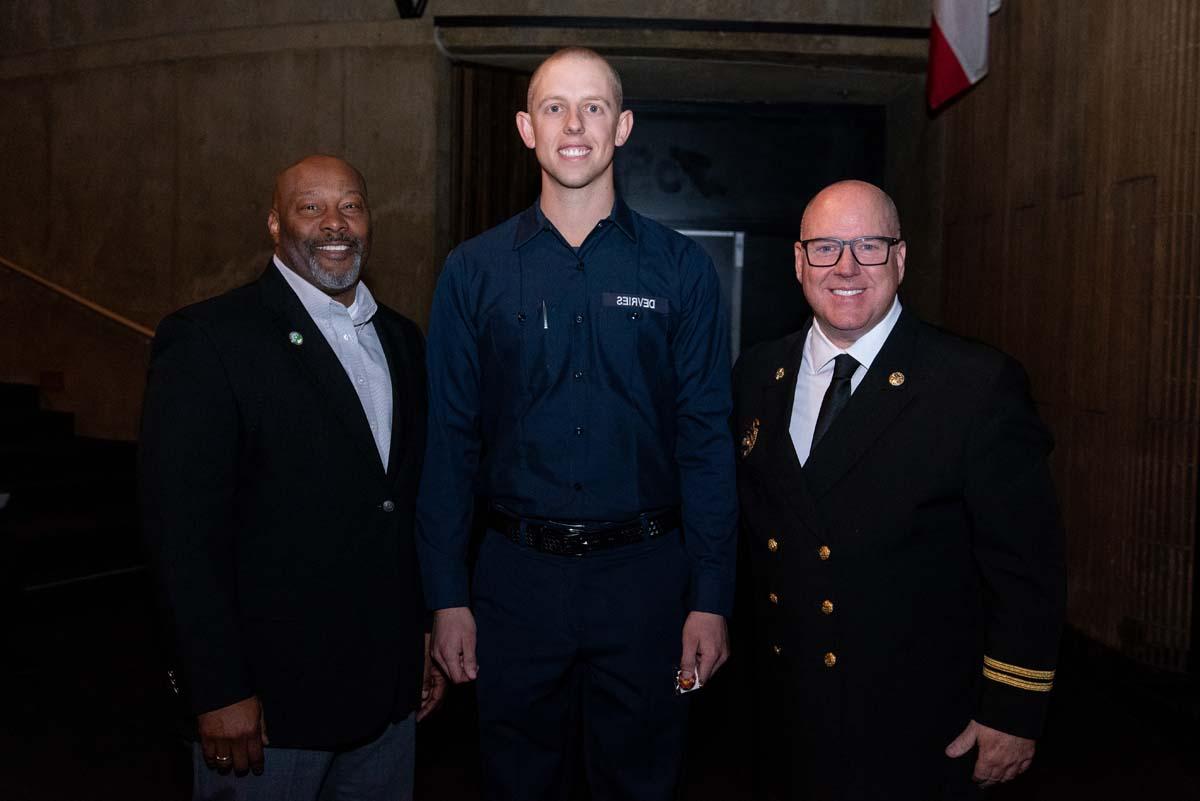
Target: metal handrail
{"points": [[90, 305]]}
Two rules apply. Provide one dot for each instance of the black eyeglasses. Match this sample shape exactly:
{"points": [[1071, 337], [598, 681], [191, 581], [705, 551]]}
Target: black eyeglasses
{"points": [[869, 251]]}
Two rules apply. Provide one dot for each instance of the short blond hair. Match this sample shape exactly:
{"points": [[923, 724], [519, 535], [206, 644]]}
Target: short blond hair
{"points": [[614, 78]]}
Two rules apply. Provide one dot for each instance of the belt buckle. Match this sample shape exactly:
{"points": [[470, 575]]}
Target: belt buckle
{"points": [[565, 537], [577, 535]]}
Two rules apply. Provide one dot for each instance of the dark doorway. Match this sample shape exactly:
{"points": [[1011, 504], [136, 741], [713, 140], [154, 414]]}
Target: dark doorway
{"points": [[749, 169]]}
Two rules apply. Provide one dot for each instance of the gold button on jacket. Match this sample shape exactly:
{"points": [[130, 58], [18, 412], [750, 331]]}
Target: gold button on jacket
{"points": [[823, 552], [830, 659], [827, 607], [772, 545]]}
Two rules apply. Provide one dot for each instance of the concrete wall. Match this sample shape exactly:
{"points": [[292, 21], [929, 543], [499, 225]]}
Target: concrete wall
{"points": [[85, 363], [140, 148], [843, 12]]}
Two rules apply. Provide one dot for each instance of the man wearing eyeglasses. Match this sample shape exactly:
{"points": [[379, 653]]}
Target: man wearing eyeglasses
{"points": [[902, 534]]}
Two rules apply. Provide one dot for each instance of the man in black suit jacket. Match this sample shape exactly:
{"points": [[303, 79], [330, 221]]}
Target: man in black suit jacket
{"points": [[282, 437], [901, 531]]}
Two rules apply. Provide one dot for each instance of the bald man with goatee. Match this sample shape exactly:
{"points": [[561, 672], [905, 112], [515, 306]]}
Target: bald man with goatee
{"points": [[902, 534], [281, 447]]}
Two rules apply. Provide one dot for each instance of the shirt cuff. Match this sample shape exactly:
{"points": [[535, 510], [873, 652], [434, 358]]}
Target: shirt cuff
{"points": [[445, 586], [711, 594]]}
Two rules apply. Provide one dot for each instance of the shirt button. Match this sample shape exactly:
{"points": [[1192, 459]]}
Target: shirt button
{"points": [[772, 545], [579, 266], [346, 337], [827, 607], [579, 431], [579, 318], [578, 374], [635, 315], [830, 659], [388, 506], [362, 380], [823, 552]]}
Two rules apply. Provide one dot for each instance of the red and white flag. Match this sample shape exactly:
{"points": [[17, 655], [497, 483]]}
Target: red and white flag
{"points": [[958, 53]]}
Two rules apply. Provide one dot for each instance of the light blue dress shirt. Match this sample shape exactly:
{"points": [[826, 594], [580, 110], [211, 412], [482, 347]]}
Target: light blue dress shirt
{"points": [[352, 336]]}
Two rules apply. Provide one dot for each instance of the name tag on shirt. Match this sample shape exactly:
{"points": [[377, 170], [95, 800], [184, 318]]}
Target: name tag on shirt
{"points": [[659, 305]]}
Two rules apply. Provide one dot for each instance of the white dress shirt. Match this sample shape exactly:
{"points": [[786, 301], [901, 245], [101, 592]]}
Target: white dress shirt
{"points": [[352, 336], [816, 372]]}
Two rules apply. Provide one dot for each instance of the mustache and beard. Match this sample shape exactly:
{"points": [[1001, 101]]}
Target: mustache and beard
{"points": [[335, 281]]}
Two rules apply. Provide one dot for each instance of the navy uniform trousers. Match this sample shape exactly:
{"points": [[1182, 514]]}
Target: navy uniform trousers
{"points": [[573, 647]]}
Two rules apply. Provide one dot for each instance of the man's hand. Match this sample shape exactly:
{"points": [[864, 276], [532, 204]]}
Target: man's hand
{"points": [[433, 685], [233, 737], [1002, 757], [705, 645], [453, 643]]}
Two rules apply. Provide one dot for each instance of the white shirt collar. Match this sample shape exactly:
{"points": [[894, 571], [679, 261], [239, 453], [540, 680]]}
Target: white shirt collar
{"points": [[820, 352], [320, 306]]}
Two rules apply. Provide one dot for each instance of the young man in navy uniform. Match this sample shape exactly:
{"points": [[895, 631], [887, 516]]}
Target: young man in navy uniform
{"points": [[902, 532], [579, 383]]}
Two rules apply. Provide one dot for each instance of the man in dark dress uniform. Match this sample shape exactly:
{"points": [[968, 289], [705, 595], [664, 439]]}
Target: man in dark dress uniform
{"points": [[579, 383], [902, 533]]}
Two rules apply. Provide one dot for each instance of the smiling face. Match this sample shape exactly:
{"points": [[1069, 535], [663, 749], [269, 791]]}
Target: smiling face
{"points": [[574, 123], [321, 224], [847, 299]]}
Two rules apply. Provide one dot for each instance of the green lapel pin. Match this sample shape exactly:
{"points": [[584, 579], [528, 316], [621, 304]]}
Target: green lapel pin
{"points": [[295, 338]]}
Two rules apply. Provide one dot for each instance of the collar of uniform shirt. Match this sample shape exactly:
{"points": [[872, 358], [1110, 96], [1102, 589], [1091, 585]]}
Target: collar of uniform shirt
{"points": [[533, 221], [819, 352], [320, 306]]}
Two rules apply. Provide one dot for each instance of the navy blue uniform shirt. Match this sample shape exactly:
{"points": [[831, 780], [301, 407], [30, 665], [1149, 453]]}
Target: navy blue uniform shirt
{"points": [[579, 384]]}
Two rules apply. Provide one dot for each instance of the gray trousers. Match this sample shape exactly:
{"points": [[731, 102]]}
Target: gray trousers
{"points": [[381, 770]]}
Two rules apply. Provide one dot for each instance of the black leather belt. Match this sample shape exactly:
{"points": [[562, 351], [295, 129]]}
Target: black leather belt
{"points": [[577, 539]]}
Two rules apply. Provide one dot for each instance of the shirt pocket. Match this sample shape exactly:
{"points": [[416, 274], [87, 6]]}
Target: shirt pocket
{"points": [[529, 349], [636, 343]]}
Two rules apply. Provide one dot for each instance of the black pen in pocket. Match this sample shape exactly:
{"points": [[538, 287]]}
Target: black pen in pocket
{"points": [[545, 317]]}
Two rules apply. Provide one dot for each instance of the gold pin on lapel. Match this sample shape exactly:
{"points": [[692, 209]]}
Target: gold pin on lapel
{"points": [[750, 438], [295, 338], [896, 378], [779, 374]]}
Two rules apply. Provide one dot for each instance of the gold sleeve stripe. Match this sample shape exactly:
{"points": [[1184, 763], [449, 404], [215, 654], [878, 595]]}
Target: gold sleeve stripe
{"points": [[1016, 670], [1019, 683]]}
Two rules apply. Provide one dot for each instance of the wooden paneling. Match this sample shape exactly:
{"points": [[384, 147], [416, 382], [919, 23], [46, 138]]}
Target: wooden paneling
{"points": [[1072, 241]]}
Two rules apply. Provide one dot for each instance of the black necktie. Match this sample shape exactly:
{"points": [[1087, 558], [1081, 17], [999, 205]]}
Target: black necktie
{"points": [[836, 397]]}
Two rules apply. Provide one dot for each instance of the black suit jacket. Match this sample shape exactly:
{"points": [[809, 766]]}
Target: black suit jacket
{"points": [[909, 577], [284, 550]]}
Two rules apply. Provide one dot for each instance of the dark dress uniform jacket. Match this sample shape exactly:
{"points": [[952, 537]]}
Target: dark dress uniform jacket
{"points": [[284, 549], [909, 577]]}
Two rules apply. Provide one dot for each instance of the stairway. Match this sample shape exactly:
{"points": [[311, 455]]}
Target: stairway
{"points": [[71, 513]]}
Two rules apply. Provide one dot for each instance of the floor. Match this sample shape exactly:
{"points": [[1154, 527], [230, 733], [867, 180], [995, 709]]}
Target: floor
{"points": [[84, 719]]}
